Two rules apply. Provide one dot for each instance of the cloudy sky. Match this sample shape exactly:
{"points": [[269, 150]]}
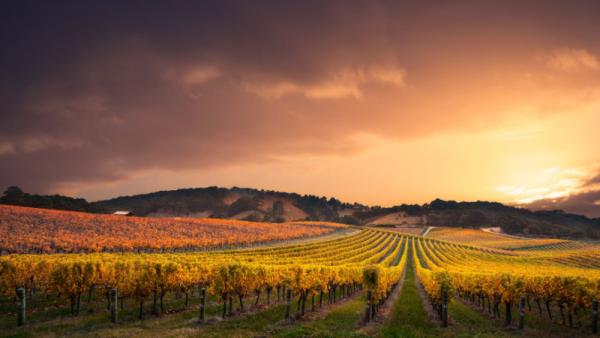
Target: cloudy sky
{"points": [[379, 102]]}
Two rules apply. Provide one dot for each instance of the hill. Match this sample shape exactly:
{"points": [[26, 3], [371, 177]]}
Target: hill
{"points": [[237, 203], [543, 223], [273, 206]]}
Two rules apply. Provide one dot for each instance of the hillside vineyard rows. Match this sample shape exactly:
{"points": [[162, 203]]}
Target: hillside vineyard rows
{"points": [[496, 278], [491, 240], [308, 270], [30, 230], [372, 261]]}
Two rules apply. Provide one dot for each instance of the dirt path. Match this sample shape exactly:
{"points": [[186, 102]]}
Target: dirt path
{"points": [[424, 234]]}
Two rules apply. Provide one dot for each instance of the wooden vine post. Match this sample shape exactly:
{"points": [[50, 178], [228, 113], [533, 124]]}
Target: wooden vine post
{"points": [[113, 305], [445, 308], [507, 313], [20, 306], [522, 313], [595, 316], [202, 304], [368, 306], [288, 304], [321, 299]]}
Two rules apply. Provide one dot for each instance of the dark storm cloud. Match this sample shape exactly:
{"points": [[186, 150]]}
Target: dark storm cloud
{"points": [[586, 203], [96, 91], [90, 94], [594, 180]]}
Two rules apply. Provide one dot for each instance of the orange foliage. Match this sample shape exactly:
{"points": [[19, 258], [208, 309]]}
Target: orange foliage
{"points": [[29, 230]]}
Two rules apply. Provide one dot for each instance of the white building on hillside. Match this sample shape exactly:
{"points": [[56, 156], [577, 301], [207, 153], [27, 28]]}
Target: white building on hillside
{"points": [[123, 213]]}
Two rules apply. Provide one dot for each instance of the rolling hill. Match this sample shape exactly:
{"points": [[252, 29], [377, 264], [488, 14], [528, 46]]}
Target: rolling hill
{"points": [[273, 206]]}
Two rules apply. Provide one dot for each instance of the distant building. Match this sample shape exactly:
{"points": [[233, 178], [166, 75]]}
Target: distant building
{"points": [[123, 213]]}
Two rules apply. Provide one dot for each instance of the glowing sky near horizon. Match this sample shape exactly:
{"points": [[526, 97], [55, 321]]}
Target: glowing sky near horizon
{"points": [[379, 102]]}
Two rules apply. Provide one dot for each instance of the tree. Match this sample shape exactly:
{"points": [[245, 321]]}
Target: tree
{"points": [[13, 195], [475, 219]]}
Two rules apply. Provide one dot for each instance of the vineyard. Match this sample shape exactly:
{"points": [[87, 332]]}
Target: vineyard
{"points": [[30, 230], [492, 240], [362, 279], [493, 278]]}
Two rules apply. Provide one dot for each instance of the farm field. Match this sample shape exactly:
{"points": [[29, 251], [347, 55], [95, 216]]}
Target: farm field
{"points": [[371, 282], [415, 231], [30, 230], [491, 240], [569, 253]]}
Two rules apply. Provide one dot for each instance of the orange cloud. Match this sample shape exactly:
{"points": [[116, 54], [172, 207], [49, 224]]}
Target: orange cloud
{"points": [[6, 148], [573, 60], [347, 83], [200, 75], [574, 190], [551, 183]]}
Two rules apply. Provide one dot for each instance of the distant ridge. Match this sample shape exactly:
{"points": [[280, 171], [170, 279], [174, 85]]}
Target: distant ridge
{"points": [[274, 206]]}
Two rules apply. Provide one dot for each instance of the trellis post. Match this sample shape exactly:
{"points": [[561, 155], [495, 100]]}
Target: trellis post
{"points": [[595, 316], [445, 308], [522, 313], [202, 304], [368, 306], [20, 306], [113, 305], [288, 304]]}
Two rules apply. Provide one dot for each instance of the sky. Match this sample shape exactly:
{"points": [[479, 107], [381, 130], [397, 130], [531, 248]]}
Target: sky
{"points": [[377, 102]]}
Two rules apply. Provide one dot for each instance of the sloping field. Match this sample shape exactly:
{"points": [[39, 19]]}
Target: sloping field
{"points": [[29, 230], [565, 252], [398, 218], [490, 239], [415, 231], [295, 290]]}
